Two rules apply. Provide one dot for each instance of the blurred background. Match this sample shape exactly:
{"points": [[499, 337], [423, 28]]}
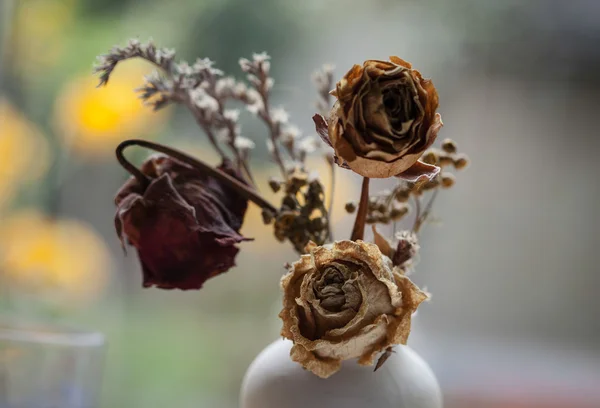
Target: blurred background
{"points": [[513, 267]]}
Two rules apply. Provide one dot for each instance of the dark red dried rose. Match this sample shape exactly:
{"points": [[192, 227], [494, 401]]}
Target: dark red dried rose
{"points": [[184, 225]]}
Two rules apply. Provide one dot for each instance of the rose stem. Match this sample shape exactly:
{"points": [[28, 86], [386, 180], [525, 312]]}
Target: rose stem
{"points": [[358, 232], [202, 167], [420, 220]]}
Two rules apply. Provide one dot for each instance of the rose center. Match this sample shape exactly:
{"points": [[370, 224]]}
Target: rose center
{"points": [[399, 104], [336, 290]]}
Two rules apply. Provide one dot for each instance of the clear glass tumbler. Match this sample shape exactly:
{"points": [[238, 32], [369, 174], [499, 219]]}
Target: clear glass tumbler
{"points": [[46, 366]]}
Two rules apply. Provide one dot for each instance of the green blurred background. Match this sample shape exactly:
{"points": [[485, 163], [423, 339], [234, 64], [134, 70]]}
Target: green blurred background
{"points": [[513, 270]]}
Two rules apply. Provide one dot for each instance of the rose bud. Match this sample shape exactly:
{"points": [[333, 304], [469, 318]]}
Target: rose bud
{"points": [[345, 300], [184, 224], [384, 119]]}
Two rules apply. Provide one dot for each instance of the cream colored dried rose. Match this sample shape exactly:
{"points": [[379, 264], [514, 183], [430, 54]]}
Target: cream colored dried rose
{"points": [[384, 118], [345, 300]]}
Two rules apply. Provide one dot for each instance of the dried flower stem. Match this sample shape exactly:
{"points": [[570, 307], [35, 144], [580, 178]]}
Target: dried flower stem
{"points": [[421, 218], [358, 232], [330, 206], [202, 167], [265, 115]]}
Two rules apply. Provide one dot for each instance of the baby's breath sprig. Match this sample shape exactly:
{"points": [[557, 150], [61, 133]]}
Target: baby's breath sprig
{"points": [[257, 72], [199, 87], [282, 134], [323, 80]]}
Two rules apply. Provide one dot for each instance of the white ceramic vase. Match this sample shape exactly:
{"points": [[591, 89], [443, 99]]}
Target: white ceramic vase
{"points": [[273, 380]]}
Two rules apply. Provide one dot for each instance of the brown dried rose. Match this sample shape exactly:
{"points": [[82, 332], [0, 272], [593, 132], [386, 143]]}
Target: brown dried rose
{"points": [[184, 225], [384, 118], [345, 300]]}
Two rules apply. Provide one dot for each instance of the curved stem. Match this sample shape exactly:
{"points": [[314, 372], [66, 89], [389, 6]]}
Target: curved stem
{"points": [[202, 167], [358, 232], [127, 165]]}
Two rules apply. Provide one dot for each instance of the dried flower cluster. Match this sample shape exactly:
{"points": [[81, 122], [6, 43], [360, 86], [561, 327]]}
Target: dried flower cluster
{"points": [[342, 299]]}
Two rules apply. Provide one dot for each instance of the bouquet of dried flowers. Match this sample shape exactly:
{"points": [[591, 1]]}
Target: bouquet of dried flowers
{"points": [[342, 299]]}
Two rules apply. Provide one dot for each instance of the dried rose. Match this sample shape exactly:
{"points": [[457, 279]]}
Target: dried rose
{"points": [[384, 118], [184, 225], [345, 300]]}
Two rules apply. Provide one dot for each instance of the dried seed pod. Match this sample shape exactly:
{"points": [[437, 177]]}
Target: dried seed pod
{"points": [[398, 211], [449, 146], [275, 185], [350, 207], [402, 196], [381, 206], [445, 160], [448, 180], [289, 203], [430, 157], [461, 161], [383, 219], [267, 216], [430, 185], [318, 224]]}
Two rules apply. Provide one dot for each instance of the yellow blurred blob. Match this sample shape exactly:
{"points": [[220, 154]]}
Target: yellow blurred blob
{"points": [[39, 29], [24, 151], [65, 259], [94, 120]]}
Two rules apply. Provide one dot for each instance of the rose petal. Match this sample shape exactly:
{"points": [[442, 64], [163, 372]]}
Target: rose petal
{"points": [[322, 128], [382, 243], [419, 172]]}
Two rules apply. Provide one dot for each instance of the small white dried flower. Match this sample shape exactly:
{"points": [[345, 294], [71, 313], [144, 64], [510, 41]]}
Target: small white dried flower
{"points": [[223, 135], [328, 68], [266, 66], [253, 79], [203, 64], [184, 68], [253, 95], [215, 72], [245, 64], [240, 89], [269, 83], [243, 143], [279, 115], [204, 101], [270, 147], [168, 53], [225, 86], [132, 43], [232, 115], [261, 57], [255, 108], [308, 144], [293, 131]]}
